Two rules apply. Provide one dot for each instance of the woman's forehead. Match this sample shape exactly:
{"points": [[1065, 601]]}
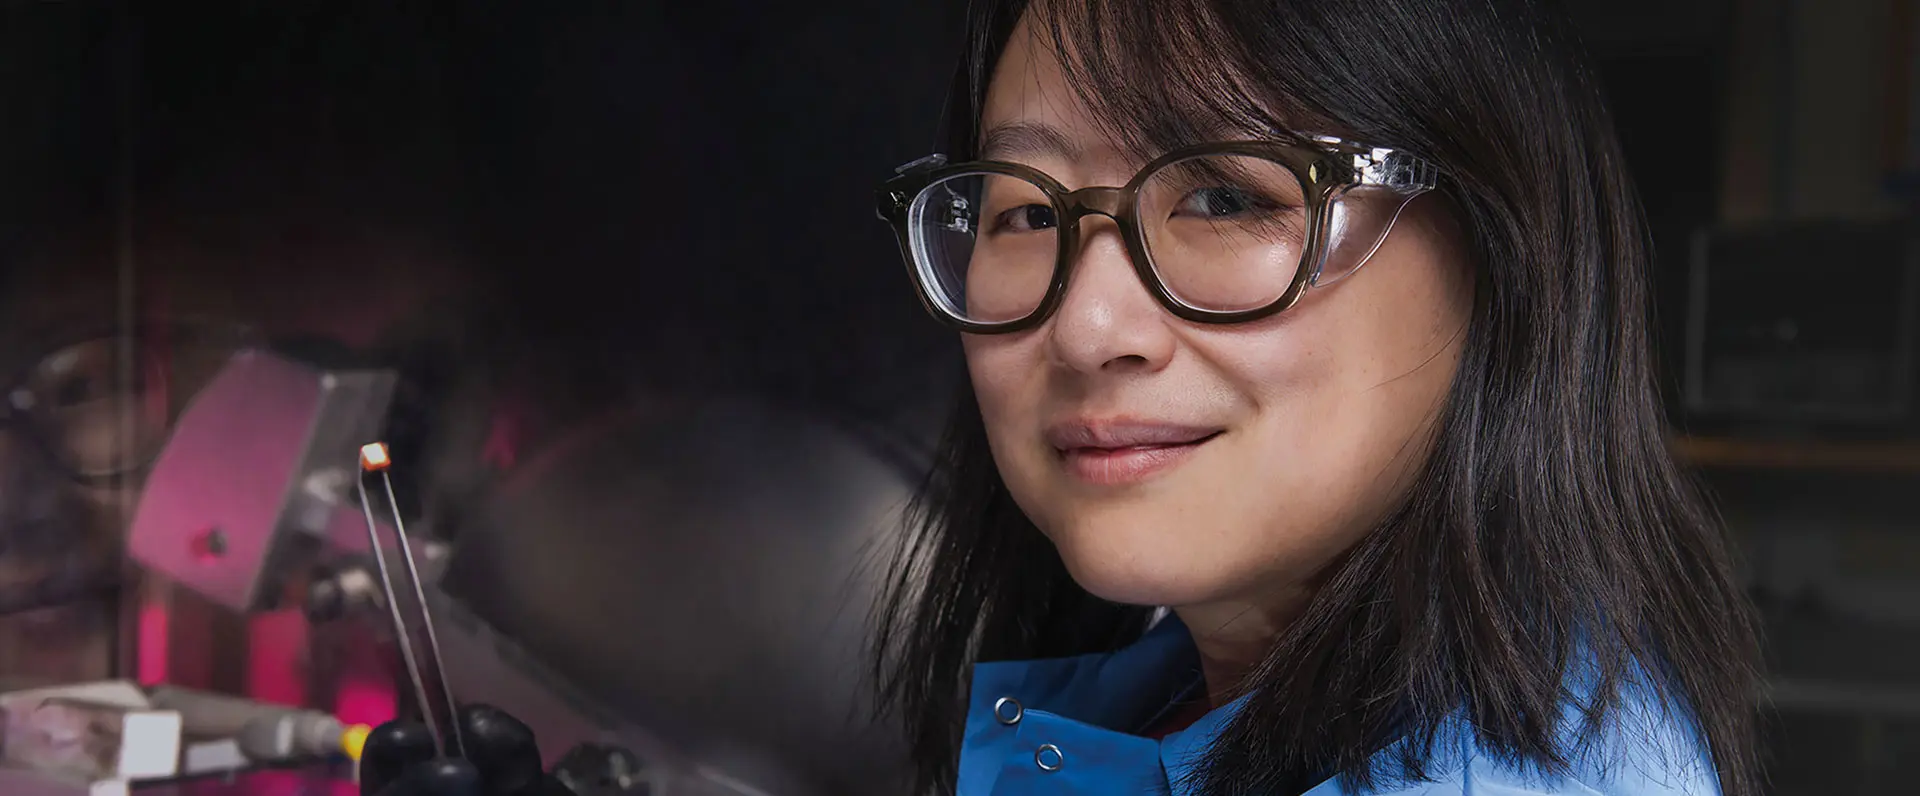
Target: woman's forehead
{"points": [[1032, 114], [1034, 109], [1029, 95]]}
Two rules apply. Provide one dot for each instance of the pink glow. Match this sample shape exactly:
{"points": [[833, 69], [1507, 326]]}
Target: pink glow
{"points": [[537, 465], [276, 658], [506, 435], [151, 657], [294, 783], [150, 645], [366, 692]]}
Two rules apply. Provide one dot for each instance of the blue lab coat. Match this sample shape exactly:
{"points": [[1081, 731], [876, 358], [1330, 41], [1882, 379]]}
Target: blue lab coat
{"points": [[1065, 726]]}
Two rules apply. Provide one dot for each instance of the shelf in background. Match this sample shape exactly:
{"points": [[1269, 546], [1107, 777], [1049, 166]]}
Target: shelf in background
{"points": [[1735, 453]]}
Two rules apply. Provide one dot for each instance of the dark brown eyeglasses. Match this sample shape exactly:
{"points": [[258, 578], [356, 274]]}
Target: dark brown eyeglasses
{"points": [[1219, 233]]}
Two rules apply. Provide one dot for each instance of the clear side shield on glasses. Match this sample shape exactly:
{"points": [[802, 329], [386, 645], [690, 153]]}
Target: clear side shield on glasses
{"points": [[1361, 215], [985, 245]]}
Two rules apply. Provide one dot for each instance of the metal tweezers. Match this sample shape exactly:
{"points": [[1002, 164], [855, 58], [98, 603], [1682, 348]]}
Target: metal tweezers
{"points": [[374, 458]]}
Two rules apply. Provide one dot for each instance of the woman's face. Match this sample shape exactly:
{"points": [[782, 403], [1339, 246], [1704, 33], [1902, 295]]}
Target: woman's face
{"points": [[1290, 436]]}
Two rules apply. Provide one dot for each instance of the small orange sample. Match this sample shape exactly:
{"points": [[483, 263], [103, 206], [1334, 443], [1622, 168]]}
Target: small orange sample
{"points": [[373, 457]]}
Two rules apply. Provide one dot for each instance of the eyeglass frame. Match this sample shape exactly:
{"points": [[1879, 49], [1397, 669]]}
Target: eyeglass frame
{"points": [[1326, 167]]}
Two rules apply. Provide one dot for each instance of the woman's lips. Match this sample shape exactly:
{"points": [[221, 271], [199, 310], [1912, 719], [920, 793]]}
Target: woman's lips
{"points": [[1128, 464]]}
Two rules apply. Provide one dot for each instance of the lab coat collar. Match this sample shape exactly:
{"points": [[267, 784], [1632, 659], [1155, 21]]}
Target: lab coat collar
{"points": [[1090, 710], [1110, 696]]}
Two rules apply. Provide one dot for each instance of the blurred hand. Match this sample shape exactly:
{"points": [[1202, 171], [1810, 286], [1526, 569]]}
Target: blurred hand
{"points": [[501, 760]]}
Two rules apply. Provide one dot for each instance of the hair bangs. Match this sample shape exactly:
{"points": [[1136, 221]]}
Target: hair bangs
{"points": [[1154, 77]]}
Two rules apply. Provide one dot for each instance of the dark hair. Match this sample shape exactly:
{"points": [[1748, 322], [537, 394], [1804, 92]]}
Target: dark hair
{"points": [[1549, 533]]}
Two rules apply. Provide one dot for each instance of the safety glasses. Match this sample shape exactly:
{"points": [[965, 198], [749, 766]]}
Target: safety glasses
{"points": [[1219, 233]]}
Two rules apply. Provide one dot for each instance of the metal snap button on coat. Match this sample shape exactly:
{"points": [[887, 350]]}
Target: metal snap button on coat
{"points": [[1049, 758], [1008, 711]]}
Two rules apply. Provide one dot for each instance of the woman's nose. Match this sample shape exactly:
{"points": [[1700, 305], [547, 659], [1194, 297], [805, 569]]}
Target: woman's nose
{"points": [[1107, 321]]}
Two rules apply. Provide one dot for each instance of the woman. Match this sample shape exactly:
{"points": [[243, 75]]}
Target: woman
{"points": [[1415, 523]]}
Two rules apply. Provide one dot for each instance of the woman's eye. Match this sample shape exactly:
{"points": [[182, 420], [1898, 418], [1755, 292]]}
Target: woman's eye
{"points": [[1027, 218], [1222, 203]]}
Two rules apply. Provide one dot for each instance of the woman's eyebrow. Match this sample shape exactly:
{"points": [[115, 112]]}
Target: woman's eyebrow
{"points": [[1017, 140]]}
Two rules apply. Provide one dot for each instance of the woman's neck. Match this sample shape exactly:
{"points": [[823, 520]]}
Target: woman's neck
{"points": [[1234, 636]]}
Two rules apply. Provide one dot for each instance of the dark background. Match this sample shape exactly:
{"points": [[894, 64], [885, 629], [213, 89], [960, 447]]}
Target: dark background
{"points": [[636, 172], [679, 194], [627, 167]]}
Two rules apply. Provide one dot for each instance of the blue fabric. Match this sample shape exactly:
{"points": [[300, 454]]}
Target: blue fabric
{"points": [[1092, 709]]}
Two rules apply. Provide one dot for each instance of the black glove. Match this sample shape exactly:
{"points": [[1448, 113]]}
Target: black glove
{"points": [[501, 760]]}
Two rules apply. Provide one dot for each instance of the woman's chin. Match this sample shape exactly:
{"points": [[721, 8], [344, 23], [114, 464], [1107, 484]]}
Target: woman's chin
{"points": [[1140, 578]]}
